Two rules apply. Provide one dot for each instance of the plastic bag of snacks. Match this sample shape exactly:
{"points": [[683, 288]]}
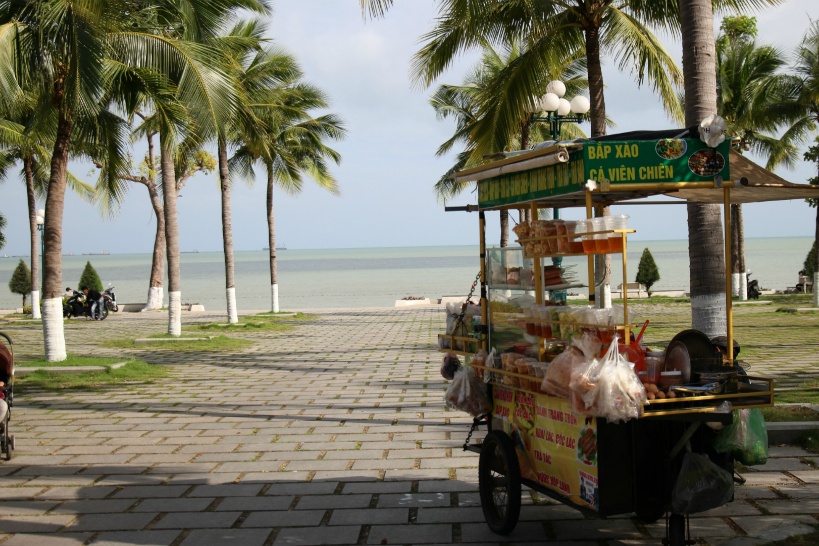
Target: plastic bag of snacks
{"points": [[468, 394], [610, 389], [558, 376], [746, 438]]}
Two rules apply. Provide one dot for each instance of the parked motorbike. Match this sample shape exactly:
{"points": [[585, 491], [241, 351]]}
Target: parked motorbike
{"points": [[110, 299], [77, 306], [753, 289]]}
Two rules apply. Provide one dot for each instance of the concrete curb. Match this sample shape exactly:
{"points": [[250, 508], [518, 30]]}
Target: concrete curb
{"points": [[788, 432], [20, 370]]}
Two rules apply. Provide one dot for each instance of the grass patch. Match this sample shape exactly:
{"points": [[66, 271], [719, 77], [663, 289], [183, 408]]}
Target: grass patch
{"points": [[808, 394], [135, 371], [263, 321], [809, 441], [779, 414], [217, 343], [72, 360]]}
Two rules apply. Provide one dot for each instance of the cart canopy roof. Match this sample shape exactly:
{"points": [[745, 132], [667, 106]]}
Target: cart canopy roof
{"points": [[625, 167]]}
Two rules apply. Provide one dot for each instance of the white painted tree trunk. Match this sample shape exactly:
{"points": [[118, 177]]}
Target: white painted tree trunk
{"points": [[35, 304], [175, 313], [274, 297], [233, 316], [743, 287], [53, 335], [736, 284], [602, 295], [711, 306], [155, 296]]}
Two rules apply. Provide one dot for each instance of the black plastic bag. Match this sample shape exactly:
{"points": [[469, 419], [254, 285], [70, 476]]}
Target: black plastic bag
{"points": [[701, 485]]}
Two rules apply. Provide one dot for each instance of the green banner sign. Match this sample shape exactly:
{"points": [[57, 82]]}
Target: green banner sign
{"points": [[653, 161], [619, 162]]}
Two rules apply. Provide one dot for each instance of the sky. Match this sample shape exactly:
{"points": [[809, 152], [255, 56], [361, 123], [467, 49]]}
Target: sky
{"points": [[388, 166]]}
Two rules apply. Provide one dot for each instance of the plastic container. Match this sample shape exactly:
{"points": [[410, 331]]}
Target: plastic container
{"points": [[585, 227], [575, 246], [618, 221], [601, 237], [653, 365], [670, 379]]}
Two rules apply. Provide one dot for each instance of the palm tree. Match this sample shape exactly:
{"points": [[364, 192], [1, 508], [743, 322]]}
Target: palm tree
{"points": [[805, 112], [480, 97], [238, 47], [288, 142], [751, 88], [58, 48]]}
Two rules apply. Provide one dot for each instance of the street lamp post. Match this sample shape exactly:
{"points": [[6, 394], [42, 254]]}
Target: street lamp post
{"points": [[40, 226], [557, 111]]}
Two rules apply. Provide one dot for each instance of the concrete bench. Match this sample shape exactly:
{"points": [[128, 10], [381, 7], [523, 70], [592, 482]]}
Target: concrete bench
{"points": [[633, 288]]}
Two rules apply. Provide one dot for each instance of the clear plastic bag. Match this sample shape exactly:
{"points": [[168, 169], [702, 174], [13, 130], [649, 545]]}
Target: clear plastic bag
{"points": [[746, 438], [558, 376], [701, 485], [468, 394], [609, 388]]}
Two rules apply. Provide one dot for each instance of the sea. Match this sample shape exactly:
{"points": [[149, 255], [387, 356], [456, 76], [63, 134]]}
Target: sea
{"points": [[377, 277]]}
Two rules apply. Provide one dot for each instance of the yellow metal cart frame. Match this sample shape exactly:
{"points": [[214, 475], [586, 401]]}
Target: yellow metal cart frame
{"points": [[630, 456]]}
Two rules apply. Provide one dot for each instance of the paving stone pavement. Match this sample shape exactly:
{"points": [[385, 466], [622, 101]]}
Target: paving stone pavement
{"points": [[332, 433]]}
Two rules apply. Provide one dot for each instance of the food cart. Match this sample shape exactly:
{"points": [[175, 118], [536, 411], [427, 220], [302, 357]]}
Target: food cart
{"points": [[542, 441]]}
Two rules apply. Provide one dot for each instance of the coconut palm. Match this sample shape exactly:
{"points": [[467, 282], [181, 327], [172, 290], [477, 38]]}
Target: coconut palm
{"points": [[25, 138], [751, 87], [238, 47], [481, 97], [804, 111], [285, 138], [57, 49]]}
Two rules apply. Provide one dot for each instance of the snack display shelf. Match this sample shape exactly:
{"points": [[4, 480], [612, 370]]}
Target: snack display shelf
{"points": [[757, 394], [460, 345]]}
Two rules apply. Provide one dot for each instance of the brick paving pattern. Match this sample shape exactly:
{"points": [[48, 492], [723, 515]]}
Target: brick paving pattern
{"points": [[332, 433]]}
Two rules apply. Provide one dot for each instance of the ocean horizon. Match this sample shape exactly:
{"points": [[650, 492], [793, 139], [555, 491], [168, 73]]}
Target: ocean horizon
{"points": [[376, 277]]}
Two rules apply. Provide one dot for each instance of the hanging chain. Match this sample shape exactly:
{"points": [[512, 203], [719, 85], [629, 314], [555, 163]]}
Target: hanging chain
{"points": [[469, 296], [476, 422]]}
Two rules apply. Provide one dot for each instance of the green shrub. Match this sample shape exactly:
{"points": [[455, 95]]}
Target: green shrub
{"points": [[20, 282], [90, 278]]}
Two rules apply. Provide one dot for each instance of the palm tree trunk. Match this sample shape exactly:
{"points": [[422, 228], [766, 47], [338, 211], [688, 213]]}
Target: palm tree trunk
{"points": [[166, 154], [34, 238], [740, 250], [705, 243], [597, 112], [227, 234], [816, 261], [53, 332], [504, 228], [155, 289], [271, 241]]}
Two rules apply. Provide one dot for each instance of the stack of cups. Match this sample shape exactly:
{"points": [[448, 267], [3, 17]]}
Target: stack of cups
{"points": [[619, 221]]}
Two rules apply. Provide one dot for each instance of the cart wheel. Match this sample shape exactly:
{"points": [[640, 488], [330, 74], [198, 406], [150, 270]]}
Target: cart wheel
{"points": [[676, 530], [499, 482]]}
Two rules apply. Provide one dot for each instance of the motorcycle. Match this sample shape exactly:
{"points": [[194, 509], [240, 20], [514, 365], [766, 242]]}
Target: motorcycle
{"points": [[110, 299], [753, 289], [77, 306]]}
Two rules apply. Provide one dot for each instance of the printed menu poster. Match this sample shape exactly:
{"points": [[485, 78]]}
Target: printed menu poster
{"points": [[556, 447]]}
